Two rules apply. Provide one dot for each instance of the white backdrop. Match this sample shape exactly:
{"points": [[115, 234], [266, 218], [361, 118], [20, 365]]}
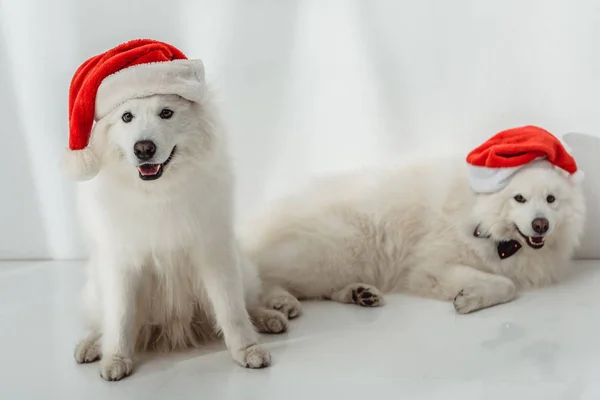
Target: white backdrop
{"points": [[306, 86]]}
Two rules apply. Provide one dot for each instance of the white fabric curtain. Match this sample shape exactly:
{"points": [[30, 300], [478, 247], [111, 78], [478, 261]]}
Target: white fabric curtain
{"points": [[307, 86]]}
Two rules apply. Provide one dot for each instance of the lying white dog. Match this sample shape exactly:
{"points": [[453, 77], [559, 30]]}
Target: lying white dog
{"points": [[422, 229], [165, 270]]}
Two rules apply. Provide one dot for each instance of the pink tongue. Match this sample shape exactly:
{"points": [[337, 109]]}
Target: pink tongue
{"points": [[149, 169]]}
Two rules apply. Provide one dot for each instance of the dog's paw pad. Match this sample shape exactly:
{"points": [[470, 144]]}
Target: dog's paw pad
{"points": [[115, 368], [256, 357], [367, 296]]}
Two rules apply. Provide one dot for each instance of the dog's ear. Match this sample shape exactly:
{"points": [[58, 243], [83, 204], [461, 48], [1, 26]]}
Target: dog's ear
{"points": [[577, 177], [198, 67], [99, 140], [577, 139], [574, 179]]}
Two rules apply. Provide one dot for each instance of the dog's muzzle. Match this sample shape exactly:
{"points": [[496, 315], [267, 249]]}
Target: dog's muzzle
{"points": [[151, 172], [535, 242]]}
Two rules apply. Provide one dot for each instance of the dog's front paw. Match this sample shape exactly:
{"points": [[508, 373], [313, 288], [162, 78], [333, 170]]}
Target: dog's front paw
{"points": [[88, 350], [115, 367], [286, 304], [476, 298], [255, 357], [465, 303], [269, 321]]}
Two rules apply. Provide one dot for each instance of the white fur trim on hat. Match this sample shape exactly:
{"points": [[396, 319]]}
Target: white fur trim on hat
{"points": [[490, 180], [181, 77], [80, 165]]}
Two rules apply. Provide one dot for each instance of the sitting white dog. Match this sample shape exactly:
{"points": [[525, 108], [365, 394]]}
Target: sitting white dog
{"points": [[165, 267], [471, 234]]}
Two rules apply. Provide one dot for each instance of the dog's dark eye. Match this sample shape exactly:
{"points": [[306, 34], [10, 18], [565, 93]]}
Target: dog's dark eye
{"points": [[550, 199], [165, 113], [520, 198], [127, 117]]}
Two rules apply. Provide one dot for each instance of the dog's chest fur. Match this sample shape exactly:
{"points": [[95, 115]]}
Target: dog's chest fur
{"points": [[157, 231], [162, 223]]}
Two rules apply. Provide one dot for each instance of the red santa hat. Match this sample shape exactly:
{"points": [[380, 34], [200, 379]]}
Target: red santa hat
{"points": [[136, 69], [491, 165]]}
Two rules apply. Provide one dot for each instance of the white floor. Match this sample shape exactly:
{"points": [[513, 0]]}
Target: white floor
{"points": [[545, 345]]}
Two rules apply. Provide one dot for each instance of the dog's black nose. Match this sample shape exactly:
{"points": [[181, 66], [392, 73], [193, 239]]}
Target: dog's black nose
{"points": [[144, 149], [540, 225]]}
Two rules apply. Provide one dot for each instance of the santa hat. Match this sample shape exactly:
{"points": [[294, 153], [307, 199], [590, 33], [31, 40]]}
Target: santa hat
{"points": [[491, 165], [136, 69]]}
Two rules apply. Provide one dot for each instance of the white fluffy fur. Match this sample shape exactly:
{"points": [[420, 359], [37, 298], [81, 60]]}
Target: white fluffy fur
{"points": [[349, 237], [165, 270]]}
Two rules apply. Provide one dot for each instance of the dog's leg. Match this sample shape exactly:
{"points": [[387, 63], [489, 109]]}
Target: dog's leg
{"points": [[222, 280], [269, 321], [119, 288], [279, 299], [471, 289], [88, 349], [359, 294]]}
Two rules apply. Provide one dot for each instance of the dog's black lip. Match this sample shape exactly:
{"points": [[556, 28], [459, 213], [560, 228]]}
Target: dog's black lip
{"points": [[532, 245], [160, 171]]}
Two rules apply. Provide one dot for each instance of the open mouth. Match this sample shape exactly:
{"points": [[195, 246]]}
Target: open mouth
{"points": [[151, 172], [535, 242]]}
